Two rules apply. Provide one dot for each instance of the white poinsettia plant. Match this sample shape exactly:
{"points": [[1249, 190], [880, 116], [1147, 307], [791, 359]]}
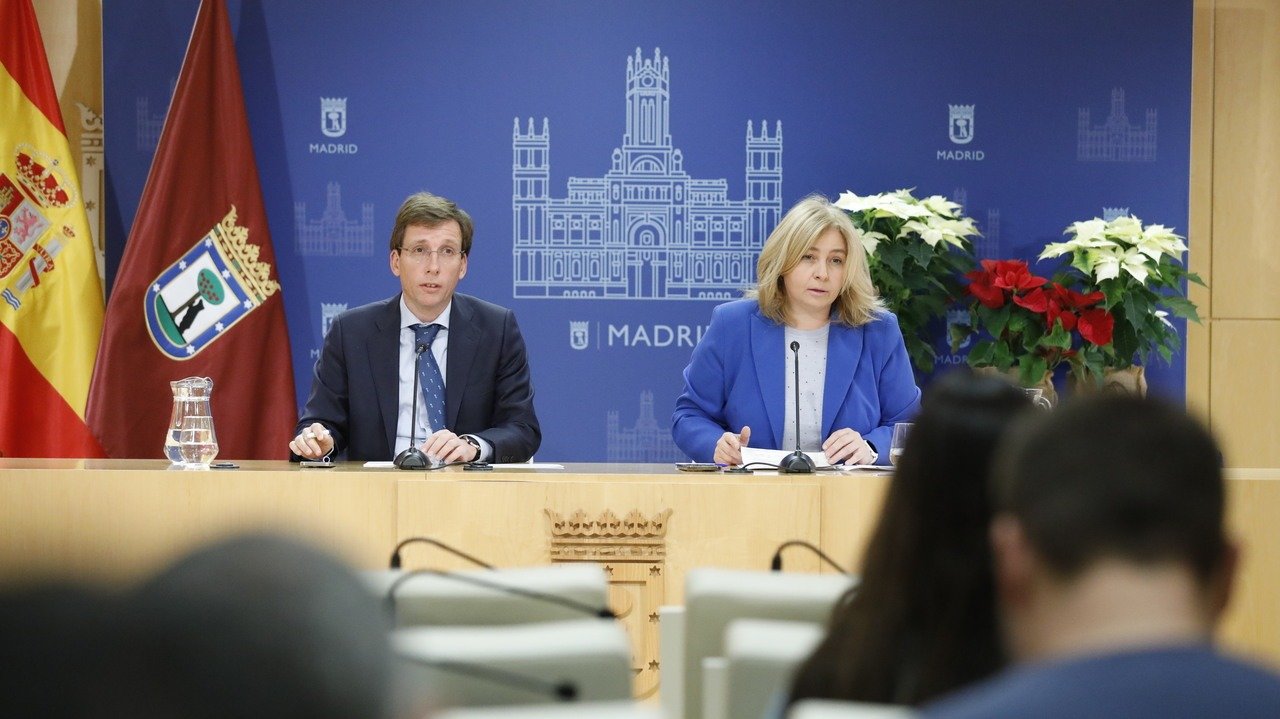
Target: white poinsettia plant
{"points": [[933, 220], [1139, 269], [917, 249]]}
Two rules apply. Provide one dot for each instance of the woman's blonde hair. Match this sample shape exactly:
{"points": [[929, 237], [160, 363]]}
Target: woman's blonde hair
{"points": [[799, 229]]}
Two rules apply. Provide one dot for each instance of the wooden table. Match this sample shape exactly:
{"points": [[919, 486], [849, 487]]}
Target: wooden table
{"points": [[115, 520]]}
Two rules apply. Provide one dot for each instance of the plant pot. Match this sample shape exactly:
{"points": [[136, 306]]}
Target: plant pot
{"points": [[1131, 380], [1045, 385]]}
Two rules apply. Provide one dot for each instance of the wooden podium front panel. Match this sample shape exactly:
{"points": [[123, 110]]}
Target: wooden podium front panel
{"points": [[732, 521], [850, 509], [646, 527], [117, 520]]}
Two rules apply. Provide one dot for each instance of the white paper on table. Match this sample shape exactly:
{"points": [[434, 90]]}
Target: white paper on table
{"points": [[775, 456], [392, 465], [528, 465], [520, 465]]}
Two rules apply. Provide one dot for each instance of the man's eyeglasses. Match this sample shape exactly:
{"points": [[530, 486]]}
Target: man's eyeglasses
{"points": [[419, 253]]}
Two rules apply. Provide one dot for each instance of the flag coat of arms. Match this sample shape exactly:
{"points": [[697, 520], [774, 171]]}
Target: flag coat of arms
{"points": [[197, 292], [50, 295], [217, 283]]}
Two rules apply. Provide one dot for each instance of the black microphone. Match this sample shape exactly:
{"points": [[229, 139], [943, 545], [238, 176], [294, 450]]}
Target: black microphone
{"points": [[797, 462], [599, 612], [562, 690], [395, 556], [775, 564], [412, 457]]}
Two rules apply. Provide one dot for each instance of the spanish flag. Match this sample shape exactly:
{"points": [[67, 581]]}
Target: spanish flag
{"points": [[50, 296]]}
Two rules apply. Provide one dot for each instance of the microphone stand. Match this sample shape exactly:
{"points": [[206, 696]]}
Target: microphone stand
{"points": [[412, 457], [797, 462]]}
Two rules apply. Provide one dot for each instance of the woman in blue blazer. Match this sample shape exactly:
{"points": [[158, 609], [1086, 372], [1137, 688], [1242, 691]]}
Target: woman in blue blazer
{"points": [[815, 291]]}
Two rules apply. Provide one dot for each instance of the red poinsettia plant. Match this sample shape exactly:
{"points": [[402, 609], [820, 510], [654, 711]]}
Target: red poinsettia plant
{"points": [[1031, 324]]}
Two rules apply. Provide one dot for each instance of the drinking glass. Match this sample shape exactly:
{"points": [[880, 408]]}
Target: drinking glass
{"points": [[900, 432], [197, 442]]}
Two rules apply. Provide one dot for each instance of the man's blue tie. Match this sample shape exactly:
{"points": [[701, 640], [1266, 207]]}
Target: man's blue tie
{"points": [[429, 375]]}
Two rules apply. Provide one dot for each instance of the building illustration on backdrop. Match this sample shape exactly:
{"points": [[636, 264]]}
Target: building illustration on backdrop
{"points": [[149, 125], [645, 441], [333, 234], [1115, 140], [646, 229], [986, 246]]}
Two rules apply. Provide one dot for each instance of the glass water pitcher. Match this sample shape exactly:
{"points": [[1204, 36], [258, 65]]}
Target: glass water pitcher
{"points": [[190, 440]]}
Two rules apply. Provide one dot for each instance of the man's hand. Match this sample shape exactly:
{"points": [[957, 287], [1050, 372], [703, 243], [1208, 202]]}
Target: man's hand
{"points": [[846, 444], [313, 443], [729, 448], [446, 447]]}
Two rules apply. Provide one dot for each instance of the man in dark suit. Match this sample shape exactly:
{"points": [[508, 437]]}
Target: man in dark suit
{"points": [[475, 400]]}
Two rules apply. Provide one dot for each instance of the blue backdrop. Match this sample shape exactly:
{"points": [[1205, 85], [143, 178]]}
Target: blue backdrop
{"points": [[623, 161]]}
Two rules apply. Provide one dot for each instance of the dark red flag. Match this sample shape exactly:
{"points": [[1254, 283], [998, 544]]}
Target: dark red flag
{"points": [[198, 293]]}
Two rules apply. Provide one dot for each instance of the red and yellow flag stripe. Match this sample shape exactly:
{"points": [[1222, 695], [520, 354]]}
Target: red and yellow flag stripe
{"points": [[50, 296]]}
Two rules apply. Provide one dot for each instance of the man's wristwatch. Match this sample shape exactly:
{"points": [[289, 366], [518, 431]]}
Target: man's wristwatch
{"points": [[474, 443]]}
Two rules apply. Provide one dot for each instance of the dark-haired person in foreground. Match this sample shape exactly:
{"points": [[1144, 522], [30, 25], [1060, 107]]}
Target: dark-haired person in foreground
{"points": [[252, 626], [56, 646], [1112, 568], [922, 621], [475, 398]]}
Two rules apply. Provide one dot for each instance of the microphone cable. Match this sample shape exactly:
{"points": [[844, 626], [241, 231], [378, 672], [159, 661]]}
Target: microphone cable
{"points": [[395, 555], [775, 564], [562, 690]]}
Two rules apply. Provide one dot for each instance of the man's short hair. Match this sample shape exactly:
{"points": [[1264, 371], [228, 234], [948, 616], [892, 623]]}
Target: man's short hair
{"points": [[1115, 477], [428, 210]]}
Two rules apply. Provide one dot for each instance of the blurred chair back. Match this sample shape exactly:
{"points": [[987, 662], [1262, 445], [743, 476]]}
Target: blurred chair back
{"points": [[715, 597], [593, 655], [427, 599], [824, 709], [671, 659], [588, 710], [762, 655]]}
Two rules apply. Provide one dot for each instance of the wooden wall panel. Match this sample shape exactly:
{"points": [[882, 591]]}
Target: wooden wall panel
{"points": [[1235, 210], [1199, 229], [1252, 621], [1246, 159], [1246, 392]]}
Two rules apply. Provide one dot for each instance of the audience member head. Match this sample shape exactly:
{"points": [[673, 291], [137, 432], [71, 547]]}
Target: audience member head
{"points": [[922, 620], [1110, 518], [255, 626], [803, 226], [55, 644]]}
